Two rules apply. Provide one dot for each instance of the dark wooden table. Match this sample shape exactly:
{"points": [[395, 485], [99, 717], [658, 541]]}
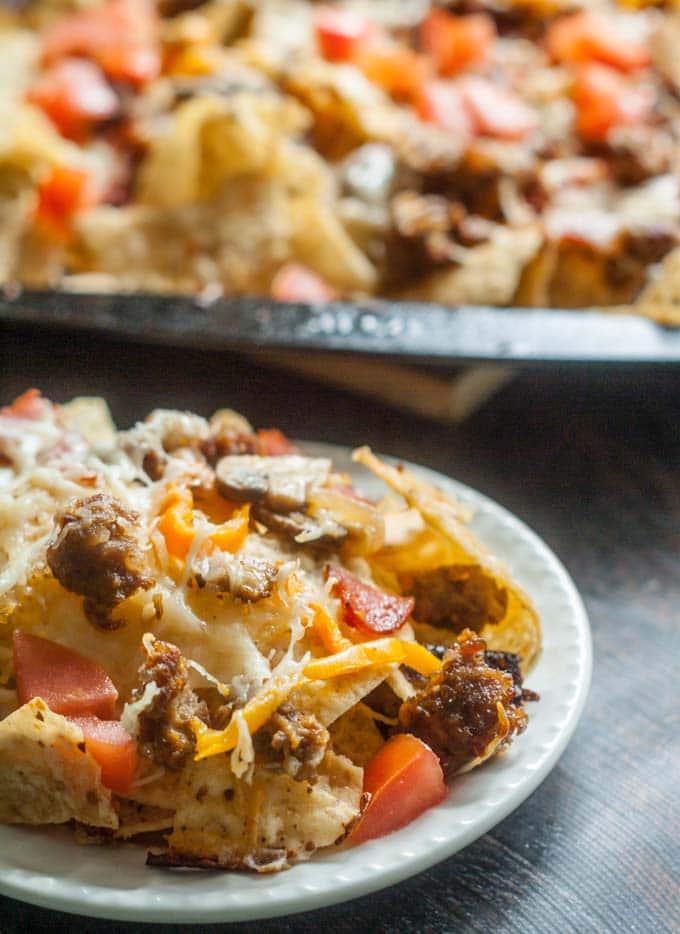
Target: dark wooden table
{"points": [[591, 460]]}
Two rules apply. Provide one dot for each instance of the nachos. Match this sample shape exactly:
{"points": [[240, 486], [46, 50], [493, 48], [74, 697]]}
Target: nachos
{"points": [[216, 643], [479, 151]]}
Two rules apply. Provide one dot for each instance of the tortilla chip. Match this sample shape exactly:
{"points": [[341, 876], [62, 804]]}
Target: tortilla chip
{"points": [[519, 630], [46, 776], [490, 275], [664, 45], [581, 277], [356, 735], [16, 207], [91, 417], [328, 700], [213, 139], [135, 819], [660, 299], [228, 823]]}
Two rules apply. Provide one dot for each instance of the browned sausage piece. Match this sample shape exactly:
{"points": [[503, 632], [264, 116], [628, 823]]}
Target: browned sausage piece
{"points": [[456, 712], [95, 553], [457, 597], [164, 729]]}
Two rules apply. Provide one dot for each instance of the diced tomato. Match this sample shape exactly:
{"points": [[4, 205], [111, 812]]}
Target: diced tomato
{"points": [[404, 779], [273, 443], [340, 32], [29, 405], [61, 195], [120, 35], [590, 36], [365, 607], [69, 683], [75, 96], [495, 111], [395, 68], [604, 99], [457, 42], [441, 103], [114, 749], [296, 283]]}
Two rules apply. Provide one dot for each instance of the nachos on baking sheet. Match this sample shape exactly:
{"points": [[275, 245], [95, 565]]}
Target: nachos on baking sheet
{"points": [[477, 151], [210, 638]]}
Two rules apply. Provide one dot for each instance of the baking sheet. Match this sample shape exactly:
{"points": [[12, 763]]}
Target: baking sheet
{"points": [[414, 332]]}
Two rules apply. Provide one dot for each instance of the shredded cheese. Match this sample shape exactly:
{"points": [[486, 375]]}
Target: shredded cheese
{"points": [[371, 654], [255, 714]]}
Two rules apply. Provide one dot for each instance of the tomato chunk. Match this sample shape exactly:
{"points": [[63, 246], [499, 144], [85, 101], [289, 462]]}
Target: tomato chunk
{"points": [[495, 111], [340, 32], [69, 683], [114, 749], [404, 778], [457, 42], [61, 195], [395, 68], [296, 283], [365, 607], [120, 35], [441, 103], [590, 36], [29, 405], [75, 96], [273, 443], [604, 100]]}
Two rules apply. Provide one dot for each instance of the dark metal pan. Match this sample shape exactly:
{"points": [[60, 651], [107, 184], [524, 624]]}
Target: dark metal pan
{"points": [[412, 332]]}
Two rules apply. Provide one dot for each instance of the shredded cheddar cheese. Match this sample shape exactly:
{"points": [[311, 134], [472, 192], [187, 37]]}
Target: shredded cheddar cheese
{"points": [[372, 654], [255, 714], [327, 629]]}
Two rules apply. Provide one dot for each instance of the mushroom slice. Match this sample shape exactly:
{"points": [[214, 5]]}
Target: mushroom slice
{"points": [[239, 482], [249, 579], [282, 482], [323, 532]]}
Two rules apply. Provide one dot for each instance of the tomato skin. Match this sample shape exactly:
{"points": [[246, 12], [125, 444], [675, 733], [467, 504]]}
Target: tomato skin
{"points": [[604, 100], [441, 103], [366, 608], [61, 195], [114, 749], [297, 283], [273, 443], [496, 112], [120, 35], [404, 779], [69, 683], [475, 106], [340, 32], [29, 405], [457, 42], [75, 96], [589, 36]]}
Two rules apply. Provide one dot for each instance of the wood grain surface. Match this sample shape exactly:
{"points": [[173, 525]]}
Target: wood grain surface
{"points": [[591, 460]]}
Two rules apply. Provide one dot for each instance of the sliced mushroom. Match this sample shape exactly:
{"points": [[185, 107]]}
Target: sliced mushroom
{"points": [[283, 483], [301, 528], [240, 483], [246, 578]]}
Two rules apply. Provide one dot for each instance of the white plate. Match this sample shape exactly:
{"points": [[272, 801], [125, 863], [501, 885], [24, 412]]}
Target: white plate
{"points": [[45, 867]]}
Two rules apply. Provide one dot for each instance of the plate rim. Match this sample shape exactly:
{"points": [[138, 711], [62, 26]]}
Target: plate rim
{"points": [[65, 901]]}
